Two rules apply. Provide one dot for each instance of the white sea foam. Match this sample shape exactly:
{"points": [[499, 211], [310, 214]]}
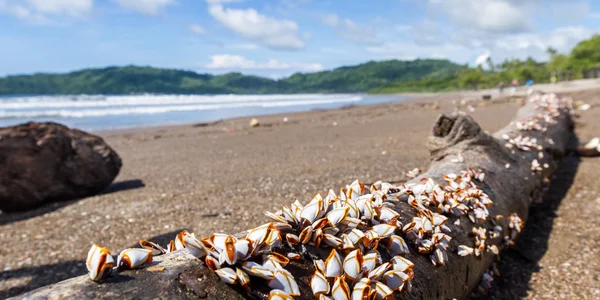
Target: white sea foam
{"points": [[98, 106], [83, 101]]}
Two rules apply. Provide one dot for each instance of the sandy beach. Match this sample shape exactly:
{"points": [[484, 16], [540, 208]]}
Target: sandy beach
{"points": [[221, 177]]}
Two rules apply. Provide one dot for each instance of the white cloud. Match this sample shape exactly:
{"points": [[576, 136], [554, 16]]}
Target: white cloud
{"points": [[562, 39], [406, 50], [273, 33], [232, 62], [222, 1], [403, 28], [331, 20], [427, 32], [242, 46], [197, 29], [496, 16], [351, 31], [147, 7], [570, 11], [42, 11], [497, 47]]}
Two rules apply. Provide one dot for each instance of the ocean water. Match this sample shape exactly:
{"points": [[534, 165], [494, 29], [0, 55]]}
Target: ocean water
{"points": [[98, 112]]}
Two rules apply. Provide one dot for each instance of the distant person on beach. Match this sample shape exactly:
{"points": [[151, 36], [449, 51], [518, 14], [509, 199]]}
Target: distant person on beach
{"points": [[553, 79], [500, 87], [529, 84], [515, 85]]}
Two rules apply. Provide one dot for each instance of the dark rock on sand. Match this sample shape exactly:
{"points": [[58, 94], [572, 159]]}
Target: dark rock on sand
{"points": [[45, 162]]}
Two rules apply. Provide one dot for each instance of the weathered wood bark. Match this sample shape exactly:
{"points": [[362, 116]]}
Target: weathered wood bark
{"points": [[512, 189]]}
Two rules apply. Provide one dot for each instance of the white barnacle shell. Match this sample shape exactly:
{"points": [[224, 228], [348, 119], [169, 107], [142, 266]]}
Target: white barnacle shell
{"points": [[395, 279], [306, 234], [439, 257], [383, 291], [319, 284], [283, 280], [379, 271], [228, 275], [194, 245], [332, 241], [225, 244], [353, 264], [370, 260], [156, 248], [294, 256], [259, 234], [465, 250], [383, 230], [256, 269], [356, 235], [333, 265], [212, 263], [401, 264], [179, 244], [242, 277], [347, 243], [340, 290], [396, 245], [273, 239], [133, 258], [337, 215], [99, 263], [276, 217], [278, 257], [311, 211], [387, 214], [279, 295], [362, 289]]}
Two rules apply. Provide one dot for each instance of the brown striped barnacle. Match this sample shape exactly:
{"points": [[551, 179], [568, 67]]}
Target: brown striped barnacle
{"points": [[132, 258], [99, 263]]}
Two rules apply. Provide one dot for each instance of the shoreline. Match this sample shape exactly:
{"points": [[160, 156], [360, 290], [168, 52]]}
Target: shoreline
{"points": [[412, 97]]}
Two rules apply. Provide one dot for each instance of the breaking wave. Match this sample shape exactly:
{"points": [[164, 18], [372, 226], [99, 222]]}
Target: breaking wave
{"points": [[98, 106]]}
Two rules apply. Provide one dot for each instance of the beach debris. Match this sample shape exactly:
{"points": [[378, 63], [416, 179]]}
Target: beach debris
{"points": [[44, 149], [459, 159], [285, 119], [593, 144], [581, 105], [590, 149], [155, 269], [354, 225], [413, 173], [435, 106], [254, 122]]}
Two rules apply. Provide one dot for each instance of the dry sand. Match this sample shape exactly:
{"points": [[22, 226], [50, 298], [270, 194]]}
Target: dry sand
{"points": [[221, 177]]}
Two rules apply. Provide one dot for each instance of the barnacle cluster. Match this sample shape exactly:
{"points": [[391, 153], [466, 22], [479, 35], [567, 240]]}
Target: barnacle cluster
{"points": [[549, 107], [354, 225]]}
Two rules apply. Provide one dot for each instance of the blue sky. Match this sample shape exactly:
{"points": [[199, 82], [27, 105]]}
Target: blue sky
{"points": [[279, 37]]}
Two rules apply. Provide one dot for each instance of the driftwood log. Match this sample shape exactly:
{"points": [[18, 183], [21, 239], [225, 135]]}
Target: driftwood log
{"points": [[509, 181]]}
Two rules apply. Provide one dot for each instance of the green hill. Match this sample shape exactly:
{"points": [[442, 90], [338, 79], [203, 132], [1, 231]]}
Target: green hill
{"points": [[134, 79]]}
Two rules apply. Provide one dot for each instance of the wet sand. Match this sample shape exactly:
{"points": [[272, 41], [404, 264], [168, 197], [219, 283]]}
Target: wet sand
{"points": [[220, 177]]}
